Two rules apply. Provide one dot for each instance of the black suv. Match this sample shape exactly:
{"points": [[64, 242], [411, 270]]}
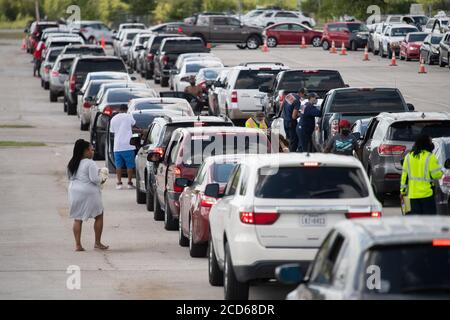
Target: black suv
{"points": [[168, 54], [152, 48], [80, 68], [156, 141]]}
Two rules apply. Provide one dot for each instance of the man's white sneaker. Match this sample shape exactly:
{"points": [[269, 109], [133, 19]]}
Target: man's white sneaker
{"points": [[119, 186], [130, 186]]}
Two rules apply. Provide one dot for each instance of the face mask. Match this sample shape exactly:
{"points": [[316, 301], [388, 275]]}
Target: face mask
{"points": [[345, 131]]}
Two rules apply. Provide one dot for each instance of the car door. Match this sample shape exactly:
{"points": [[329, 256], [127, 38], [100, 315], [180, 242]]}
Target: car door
{"points": [[283, 33], [161, 175], [219, 29], [366, 146], [297, 32], [141, 158]]}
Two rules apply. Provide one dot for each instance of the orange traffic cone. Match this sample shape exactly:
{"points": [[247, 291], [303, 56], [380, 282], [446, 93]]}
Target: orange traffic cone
{"points": [[303, 45], [103, 44], [265, 48], [343, 50], [422, 67], [333, 47], [24, 44], [393, 60], [366, 54]]}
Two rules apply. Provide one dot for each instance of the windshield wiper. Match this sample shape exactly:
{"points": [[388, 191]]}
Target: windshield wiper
{"points": [[445, 288], [322, 192]]}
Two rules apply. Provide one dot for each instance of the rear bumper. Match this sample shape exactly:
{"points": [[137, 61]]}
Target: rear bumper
{"points": [[264, 269]]}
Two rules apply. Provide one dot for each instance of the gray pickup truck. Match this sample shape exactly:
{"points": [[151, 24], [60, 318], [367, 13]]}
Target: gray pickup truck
{"points": [[224, 29]]}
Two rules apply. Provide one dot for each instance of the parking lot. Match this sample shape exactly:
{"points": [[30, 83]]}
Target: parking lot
{"points": [[145, 261]]}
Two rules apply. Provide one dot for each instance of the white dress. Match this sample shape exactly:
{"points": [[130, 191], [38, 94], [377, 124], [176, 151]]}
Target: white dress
{"points": [[85, 197]]}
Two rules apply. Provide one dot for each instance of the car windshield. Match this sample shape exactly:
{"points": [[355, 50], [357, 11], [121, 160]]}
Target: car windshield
{"points": [[126, 96], [253, 79], [222, 172], [143, 120], [210, 74], [401, 32], [184, 46], [172, 127], [311, 183], [409, 130], [203, 146], [357, 27], [85, 51], [87, 66], [444, 22], [410, 269], [436, 40], [322, 81], [367, 101], [417, 37]]}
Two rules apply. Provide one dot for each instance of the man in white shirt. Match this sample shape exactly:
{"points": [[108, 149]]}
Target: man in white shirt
{"points": [[124, 154]]}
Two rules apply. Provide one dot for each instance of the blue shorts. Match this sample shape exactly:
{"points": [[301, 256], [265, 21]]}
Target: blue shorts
{"points": [[125, 159]]}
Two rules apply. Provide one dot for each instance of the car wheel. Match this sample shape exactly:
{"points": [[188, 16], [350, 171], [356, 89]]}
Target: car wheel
{"points": [[53, 96], [196, 250], [316, 42], [353, 46], [441, 63], [92, 40], [157, 80], [242, 46], [326, 45], [84, 126], [182, 239], [158, 214], [389, 53], [140, 196], [233, 288], [429, 62], [382, 51], [149, 199], [170, 223], [71, 109], [65, 105], [46, 85], [253, 43], [164, 82], [215, 275], [272, 42], [448, 60]]}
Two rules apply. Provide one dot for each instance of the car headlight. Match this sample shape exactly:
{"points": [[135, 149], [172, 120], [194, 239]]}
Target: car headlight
{"points": [[435, 50]]}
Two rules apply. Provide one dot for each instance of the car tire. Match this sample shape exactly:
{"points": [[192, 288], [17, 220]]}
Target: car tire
{"points": [[148, 75], [242, 46], [65, 105], [389, 53], [183, 241], [429, 62], [326, 45], [233, 288], [316, 42], [158, 213], [382, 54], [92, 40], [441, 63], [253, 42], [156, 79], [71, 109], [164, 82], [46, 85], [84, 126], [353, 46], [215, 275], [149, 200], [448, 60], [140, 196], [272, 42], [108, 163], [53, 96], [170, 223], [196, 250]]}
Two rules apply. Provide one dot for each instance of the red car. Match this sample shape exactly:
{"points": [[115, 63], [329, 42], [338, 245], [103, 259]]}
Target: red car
{"points": [[410, 47], [291, 33], [186, 151], [354, 35], [195, 206]]}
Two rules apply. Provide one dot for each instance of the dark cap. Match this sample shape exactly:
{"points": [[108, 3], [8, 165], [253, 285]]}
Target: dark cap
{"points": [[312, 95], [303, 90], [123, 108]]}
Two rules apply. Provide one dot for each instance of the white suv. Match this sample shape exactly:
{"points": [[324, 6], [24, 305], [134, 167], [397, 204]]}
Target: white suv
{"points": [[392, 37], [240, 97], [277, 209], [271, 17]]}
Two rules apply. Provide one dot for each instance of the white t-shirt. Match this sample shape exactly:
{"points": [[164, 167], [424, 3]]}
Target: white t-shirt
{"points": [[122, 127]]}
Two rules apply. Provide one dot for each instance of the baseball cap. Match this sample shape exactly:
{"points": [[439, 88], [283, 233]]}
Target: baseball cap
{"points": [[312, 95], [344, 124]]}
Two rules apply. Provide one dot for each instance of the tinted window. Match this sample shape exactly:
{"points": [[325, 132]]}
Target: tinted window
{"points": [[100, 65], [420, 20], [253, 79], [196, 67], [172, 127], [436, 40], [320, 82], [222, 172], [130, 36], [409, 130], [65, 66], [367, 101], [182, 110], [411, 269], [93, 89], [85, 51], [311, 183], [210, 74], [125, 96], [53, 55], [143, 120], [357, 27], [184, 46], [282, 27], [417, 37], [64, 43], [400, 32]]}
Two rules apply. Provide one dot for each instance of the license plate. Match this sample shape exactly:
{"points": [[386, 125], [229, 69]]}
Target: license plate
{"points": [[314, 220]]}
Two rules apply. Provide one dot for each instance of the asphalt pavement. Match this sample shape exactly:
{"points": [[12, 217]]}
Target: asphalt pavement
{"points": [[145, 261]]}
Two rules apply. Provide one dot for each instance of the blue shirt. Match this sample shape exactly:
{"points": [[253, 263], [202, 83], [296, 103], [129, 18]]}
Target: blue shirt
{"points": [[307, 119], [291, 102]]}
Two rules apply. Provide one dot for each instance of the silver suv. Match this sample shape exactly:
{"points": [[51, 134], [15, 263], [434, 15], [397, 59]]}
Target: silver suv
{"points": [[387, 140]]}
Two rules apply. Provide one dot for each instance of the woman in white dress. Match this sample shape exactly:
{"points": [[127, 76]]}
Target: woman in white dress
{"points": [[85, 196]]}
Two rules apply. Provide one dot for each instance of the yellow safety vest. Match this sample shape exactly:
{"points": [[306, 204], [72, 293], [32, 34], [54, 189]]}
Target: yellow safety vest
{"points": [[251, 123], [418, 175]]}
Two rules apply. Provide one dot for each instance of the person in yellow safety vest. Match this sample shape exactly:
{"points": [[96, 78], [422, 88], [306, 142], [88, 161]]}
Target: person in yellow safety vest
{"points": [[420, 169], [257, 122]]}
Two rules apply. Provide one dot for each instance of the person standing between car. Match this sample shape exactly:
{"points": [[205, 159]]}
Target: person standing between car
{"points": [[85, 198], [197, 92], [343, 143], [124, 153], [257, 122], [306, 123], [292, 104], [37, 55], [420, 168]]}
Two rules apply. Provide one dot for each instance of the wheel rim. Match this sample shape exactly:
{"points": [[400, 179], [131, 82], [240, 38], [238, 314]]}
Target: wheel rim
{"points": [[225, 271], [180, 231], [190, 234], [271, 42], [252, 43], [326, 45], [316, 42], [210, 253]]}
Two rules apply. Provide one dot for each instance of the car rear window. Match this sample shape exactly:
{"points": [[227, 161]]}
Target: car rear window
{"points": [[53, 55], [170, 128], [319, 82], [93, 89], [409, 130], [411, 269], [85, 51], [400, 32], [196, 67], [183, 109], [436, 40], [417, 37], [208, 145], [184, 46], [64, 43], [143, 120], [311, 183], [222, 172], [65, 66], [126, 96], [367, 101], [357, 27], [131, 35], [86, 66], [253, 79]]}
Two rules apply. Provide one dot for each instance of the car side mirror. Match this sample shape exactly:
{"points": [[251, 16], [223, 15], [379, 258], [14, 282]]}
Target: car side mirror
{"points": [[212, 190], [183, 182], [447, 164], [289, 274], [136, 141], [410, 107], [155, 157], [357, 135], [133, 78]]}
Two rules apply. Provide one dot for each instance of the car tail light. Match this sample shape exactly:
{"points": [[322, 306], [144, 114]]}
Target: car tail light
{"points": [[259, 218], [55, 74], [108, 111], [391, 150], [160, 151], [87, 105], [446, 180], [441, 242], [72, 83], [357, 215], [165, 59], [311, 164], [207, 202], [83, 30], [234, 97], [177, 172], [150, 57], [334, 127], [392, 176], [180, 30]]}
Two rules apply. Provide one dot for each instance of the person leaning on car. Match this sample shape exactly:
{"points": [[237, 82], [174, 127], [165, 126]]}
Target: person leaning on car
{"points": [[307, 122], [343, 143], [420, 169], [292, 104]]}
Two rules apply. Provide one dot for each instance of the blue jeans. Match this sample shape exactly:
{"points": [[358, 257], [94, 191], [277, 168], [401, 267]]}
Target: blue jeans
{"points": [[304, 140]]}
